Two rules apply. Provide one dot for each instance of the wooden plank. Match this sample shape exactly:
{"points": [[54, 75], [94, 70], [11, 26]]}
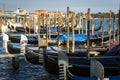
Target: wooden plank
{"points": [[33, 34], [9, 55]]}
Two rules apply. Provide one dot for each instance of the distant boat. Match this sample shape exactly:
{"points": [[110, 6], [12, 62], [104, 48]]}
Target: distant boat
{"points": [[43, 29], [84, 31]]}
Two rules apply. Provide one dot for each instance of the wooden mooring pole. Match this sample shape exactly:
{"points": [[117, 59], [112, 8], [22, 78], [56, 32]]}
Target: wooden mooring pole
{"points": [[102, 29], [86, 24], [109, 30], [59, 25], [39, 31], [79, 24], [47, 28], [92, 25], [68, 30], [82, 23], [73, 40], [88, 34], [114, 25], [29, 24], [119, 25]]}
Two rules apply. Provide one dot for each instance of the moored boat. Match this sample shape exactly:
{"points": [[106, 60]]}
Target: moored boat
{"points": [[83, 71], [51, 61]]}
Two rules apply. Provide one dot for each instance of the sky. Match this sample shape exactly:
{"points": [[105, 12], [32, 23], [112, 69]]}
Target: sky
{"points": [[61, 5]]}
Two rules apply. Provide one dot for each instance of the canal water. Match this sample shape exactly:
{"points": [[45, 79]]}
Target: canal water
{"points": [[26, 71]]}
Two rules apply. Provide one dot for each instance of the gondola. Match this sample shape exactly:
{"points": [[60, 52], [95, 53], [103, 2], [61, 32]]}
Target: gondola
{"points": [[30, 55], [84, 31], [51, 61], [79, 38], [16, 39], [32, 30], [20, 29], [33, 57], [82, 72], [32, 39], [11, 49], [36, 56]]}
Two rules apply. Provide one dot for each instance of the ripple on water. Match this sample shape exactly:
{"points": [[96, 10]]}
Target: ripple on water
{"points": [[26, 71]]}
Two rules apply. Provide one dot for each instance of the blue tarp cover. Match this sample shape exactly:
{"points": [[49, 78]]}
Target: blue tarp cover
{"points": [[52, 29], [77, 37]]}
